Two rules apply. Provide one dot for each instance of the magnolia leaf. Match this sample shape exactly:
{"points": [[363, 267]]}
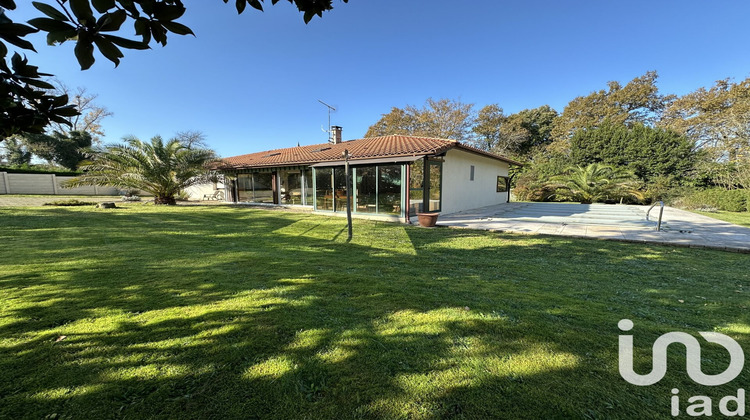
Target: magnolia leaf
{"points": [[50, 11], [84, 51], [102, 6], [50, 25], [178, 28]]}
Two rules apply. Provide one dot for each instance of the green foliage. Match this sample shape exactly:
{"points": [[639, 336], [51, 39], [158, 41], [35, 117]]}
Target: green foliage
{"points": [[716, 198], [25, 103], [159, 168], [70, 203], [37, 169], [16, 151], [648, 152], [638, 101], [67, 150], [442, 118], [716, 119], [596, 183]]}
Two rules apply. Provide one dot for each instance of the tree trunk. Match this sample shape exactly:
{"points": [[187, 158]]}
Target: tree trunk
{"points": [[170, 201]]}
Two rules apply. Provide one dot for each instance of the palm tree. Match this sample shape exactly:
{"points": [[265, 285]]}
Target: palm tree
{"points": [[161, 169], [597, 182]]}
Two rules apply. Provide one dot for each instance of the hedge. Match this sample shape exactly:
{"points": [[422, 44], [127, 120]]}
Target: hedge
{"points": [[716, 198]]}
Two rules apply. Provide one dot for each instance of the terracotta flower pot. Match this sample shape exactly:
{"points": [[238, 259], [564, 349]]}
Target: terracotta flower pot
{"points": [[427, 219]]}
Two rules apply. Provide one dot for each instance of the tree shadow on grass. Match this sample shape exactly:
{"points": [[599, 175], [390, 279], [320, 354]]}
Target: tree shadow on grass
{"points": [[239, 314]]}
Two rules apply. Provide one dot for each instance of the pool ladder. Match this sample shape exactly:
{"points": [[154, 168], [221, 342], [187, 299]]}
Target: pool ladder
{"points": [[661, 213]]}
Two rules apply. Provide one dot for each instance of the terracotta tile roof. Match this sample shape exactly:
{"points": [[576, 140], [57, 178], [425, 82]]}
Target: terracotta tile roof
{"points": [[368, 148]]}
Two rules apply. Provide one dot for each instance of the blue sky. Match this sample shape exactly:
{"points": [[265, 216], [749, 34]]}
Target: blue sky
{"points": [[252, 82]]}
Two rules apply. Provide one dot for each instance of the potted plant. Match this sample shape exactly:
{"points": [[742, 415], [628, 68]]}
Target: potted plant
{"points": [[427, 219]]}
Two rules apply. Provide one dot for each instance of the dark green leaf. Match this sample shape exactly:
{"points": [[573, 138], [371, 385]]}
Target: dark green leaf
{"points": [[109, 22], [17, 29], [58, 37], [85, 53], [126, 43], [82, 10], [38, 83], [308, 16], [178, 28], [50, 11], [130, 7], [50, 25], [18, 42], [102, 6], [158, 32], [256, 4], [168, 12], [61, 100], [8, 4], [240, 4], [109, 50]]}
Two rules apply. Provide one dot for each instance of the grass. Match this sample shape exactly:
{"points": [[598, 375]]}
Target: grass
{"points": [[742, 219], [221, 312]]}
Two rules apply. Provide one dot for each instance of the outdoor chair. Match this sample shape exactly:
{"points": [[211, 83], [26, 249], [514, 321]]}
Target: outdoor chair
{"points": [[218, 195]]}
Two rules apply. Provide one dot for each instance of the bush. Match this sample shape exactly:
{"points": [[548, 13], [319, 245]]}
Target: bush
{"points": [[29, 169], [715, 198], [70, 203]]}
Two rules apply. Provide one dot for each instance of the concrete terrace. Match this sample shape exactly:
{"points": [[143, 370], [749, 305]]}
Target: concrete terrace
{"points": [[603, 221]]}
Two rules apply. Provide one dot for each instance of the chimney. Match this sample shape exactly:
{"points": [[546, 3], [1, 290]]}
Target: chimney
{"points": [[335, 134]]}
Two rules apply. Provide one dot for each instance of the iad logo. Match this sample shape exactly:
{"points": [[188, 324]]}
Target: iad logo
{"points": [[702, 404]]}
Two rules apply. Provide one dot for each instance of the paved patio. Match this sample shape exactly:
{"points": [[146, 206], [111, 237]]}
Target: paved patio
{"points": [[603, 221]]}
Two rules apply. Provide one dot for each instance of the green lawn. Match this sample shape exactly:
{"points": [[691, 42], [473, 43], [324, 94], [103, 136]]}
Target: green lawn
{"points": [[742, 219], [221, 312]]}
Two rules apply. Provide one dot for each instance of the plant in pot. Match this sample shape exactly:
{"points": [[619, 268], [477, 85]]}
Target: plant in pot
{"points": [[427, 219]]}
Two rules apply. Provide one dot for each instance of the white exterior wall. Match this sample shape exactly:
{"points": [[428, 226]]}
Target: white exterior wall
{"points": [[459, 192], [196, 192]]}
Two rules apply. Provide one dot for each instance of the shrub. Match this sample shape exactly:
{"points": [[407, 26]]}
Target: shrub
{"points": [[70, 203], [715, 198]]}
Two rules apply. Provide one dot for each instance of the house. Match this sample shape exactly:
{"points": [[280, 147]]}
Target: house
{"points": [[431, 175]]}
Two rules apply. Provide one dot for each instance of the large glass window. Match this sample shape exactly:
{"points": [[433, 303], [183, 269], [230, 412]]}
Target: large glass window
{"points": [[436, 187], [324, 188], [389, 189], [291, 187], [502, 184], [263, 187], [416, 186], [308, 187], [366, 189], [339, 179], [245, 187]]}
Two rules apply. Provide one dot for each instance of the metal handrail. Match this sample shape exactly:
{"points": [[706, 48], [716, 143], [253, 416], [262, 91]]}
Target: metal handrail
{"points": [[661, 212]]}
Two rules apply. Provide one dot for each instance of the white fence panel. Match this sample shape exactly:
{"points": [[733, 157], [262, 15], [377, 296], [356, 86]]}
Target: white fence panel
{"points": [[46, 184]]}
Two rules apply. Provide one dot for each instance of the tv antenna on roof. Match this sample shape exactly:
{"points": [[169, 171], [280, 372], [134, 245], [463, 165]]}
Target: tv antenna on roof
{"points": [[330, 108]]}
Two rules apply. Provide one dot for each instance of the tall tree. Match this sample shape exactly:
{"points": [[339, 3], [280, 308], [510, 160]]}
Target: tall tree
{"points": [[16, 151], [160, 168], [638, 101], [717, 119], [442, 118], [488, 129], [646, 151], [65, 149], [89, 114], [26, 104], [192, 139]]}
